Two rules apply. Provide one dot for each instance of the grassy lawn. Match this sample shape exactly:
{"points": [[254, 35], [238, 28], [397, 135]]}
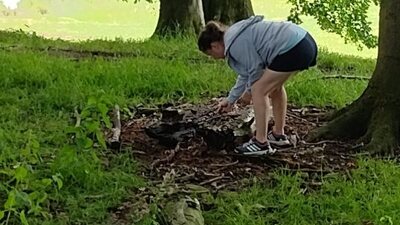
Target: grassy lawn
{"points": [[108, 19], [368, 197], [51, 173], [50, 179]]}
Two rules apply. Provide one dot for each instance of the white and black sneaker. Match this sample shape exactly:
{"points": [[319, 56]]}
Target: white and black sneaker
{"points": [[253, 147], [278, 140]]}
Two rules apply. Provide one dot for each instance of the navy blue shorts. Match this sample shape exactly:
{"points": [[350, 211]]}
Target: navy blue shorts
{"points": [[300, 57]]}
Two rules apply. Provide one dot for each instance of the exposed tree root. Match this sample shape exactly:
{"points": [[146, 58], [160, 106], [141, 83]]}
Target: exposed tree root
{"points": [[383, 132], [350, 122], [378, 129]]}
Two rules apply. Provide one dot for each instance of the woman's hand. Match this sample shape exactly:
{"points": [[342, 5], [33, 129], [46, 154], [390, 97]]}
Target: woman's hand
{"points": [[224, 106]]}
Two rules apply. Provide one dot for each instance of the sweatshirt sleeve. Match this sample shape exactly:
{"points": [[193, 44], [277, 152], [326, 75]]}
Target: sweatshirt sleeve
{"points": [[237, 90], [248, 60], [248, 87]]}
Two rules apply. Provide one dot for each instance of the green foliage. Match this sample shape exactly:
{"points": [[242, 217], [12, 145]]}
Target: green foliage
{"points": [[24, 188], [348, 18], [91, 123], [78, 161]]}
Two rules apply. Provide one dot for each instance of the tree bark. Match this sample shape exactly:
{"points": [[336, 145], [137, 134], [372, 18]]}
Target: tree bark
{"points": [[227, 11], [179, 17], [374, 118]]}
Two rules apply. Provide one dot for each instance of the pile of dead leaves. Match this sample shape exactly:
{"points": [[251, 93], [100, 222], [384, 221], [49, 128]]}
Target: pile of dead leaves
{"points": [[185, 149], [197, 144]]}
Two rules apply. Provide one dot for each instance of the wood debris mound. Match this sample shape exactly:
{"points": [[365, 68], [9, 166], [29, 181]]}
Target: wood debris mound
{"points": [[197, 144]]}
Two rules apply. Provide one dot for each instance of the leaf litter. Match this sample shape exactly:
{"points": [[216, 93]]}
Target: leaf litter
{"points": [[187, 149]]}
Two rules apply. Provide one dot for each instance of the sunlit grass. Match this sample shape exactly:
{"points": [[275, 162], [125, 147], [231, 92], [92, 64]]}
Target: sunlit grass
{"points": [[81, 20], [41, 88]]}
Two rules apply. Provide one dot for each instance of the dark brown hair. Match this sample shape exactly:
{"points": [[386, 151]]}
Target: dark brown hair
{"points": [[212, 32]]}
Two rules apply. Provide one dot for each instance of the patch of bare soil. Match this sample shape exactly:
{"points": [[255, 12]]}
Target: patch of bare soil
{"points": [[73, 54], [197, 143], [193, 145]]}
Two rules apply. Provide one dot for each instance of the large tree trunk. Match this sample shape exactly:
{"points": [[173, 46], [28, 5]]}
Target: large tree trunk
{"points": [[227, 11], [374, 118], [179, 17]]}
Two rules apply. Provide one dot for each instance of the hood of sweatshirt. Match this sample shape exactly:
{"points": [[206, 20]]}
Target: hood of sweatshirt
{"points": [[236, 29]]}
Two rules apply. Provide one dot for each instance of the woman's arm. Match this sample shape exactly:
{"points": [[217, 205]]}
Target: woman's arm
{"points": [[238, 89]]}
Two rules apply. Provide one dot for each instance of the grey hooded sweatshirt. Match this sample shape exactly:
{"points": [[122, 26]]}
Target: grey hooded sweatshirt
{"points": [[252, 44]]}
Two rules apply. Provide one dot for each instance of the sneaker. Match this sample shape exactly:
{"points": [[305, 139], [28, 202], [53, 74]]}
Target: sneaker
{"points": [[253, 147], [278, 140]]}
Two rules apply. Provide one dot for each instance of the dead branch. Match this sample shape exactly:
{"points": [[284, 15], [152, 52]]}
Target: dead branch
{"points": [[286, 161], [139, 152], [311, 170], [351, 77], [212, 180], [185, 178], [209, 174], [115, 141], [225, 165], [297, 117], [166, 159], [222, 186], [253, 166], [321, 142], [280, 151]]}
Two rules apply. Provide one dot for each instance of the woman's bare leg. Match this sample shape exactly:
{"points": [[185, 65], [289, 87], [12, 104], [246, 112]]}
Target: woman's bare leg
{"points": [[279, 107], [260, 89]]}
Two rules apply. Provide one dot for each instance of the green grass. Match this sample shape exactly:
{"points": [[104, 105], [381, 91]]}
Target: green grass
{"points": [[40, 90], [311, 88], [108, 19], [370, 196], [83, 19]]}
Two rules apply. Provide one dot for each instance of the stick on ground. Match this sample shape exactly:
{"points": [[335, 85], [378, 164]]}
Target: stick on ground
{"points": [[115, 142]]}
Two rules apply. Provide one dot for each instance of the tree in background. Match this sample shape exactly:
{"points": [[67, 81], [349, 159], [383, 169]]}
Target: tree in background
{"points": [[227, 11], [189, 16], [179, 17], [374, 118]]}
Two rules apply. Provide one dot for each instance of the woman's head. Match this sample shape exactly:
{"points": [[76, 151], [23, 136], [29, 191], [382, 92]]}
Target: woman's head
{"points": [[211, 40]]}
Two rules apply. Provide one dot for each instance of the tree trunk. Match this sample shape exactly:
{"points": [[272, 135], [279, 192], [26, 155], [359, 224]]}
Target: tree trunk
{"points": [[179, 17], [227, 11], [374, 118]]}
